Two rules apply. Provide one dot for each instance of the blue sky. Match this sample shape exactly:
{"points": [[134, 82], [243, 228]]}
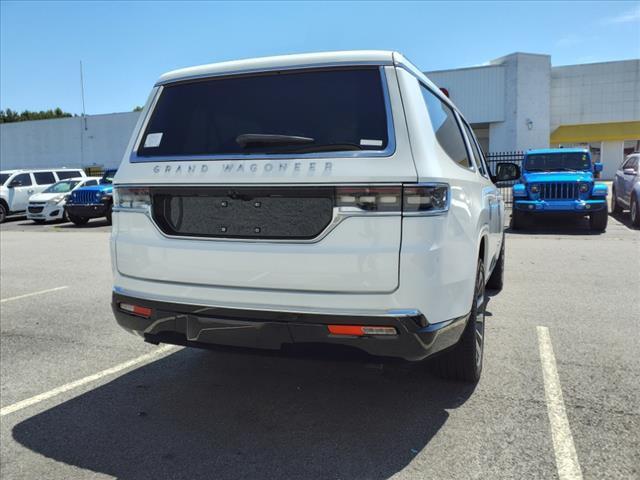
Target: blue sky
{"points": [[125, 46]]}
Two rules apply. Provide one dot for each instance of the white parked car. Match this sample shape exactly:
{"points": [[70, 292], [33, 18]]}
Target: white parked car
{"points": [[17, 186], [49, 205], [336, 198]]}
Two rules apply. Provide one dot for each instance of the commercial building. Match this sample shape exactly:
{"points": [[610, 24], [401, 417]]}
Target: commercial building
{"points": [[514, 103], [520, 101]]}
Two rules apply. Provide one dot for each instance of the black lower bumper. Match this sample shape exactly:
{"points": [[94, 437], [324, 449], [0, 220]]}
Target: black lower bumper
{"points": [[88, 211], [200, 326]]}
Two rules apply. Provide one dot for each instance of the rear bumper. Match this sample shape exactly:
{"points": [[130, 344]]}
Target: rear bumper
{"points": [[580, 207], [201, 326], [88, 211]]}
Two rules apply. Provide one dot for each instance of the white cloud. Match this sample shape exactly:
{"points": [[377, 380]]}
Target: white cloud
{"points": [[629, 16]]}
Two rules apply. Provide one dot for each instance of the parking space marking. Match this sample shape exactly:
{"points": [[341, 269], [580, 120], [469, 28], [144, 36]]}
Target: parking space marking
{"points": [[32, 294], [566, 457], [142, 359]]}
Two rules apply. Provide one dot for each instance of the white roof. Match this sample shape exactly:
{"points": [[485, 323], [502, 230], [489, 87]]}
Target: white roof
{"points": [[355, 57]]}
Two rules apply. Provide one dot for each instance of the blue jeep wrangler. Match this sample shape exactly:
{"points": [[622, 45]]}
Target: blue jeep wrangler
{"points": [[560, 181], [92, 202]]}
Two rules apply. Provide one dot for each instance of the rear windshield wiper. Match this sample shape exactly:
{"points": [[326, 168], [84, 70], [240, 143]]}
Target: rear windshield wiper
{"points": [[259, 139]]}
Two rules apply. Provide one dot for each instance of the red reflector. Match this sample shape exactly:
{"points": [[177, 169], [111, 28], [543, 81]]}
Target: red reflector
{"points": [[361, 330], [346, 330], [136, 310]]}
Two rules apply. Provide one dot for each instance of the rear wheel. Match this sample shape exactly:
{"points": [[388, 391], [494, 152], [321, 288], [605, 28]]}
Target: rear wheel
{"points": [[3, 212], [615, 206], [464, 360], [496, 280], [598, 220], [635, 211], [78, 220]]}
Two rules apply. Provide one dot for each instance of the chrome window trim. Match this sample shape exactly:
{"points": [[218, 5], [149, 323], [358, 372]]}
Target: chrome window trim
{"points": [[388, 151]]}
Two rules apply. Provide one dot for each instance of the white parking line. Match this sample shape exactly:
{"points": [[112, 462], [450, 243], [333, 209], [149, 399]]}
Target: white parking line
{"points": [[566, 457], [142, 359], [32, 294]]}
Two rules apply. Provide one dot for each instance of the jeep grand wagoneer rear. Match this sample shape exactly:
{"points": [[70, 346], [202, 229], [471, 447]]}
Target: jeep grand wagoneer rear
{"points": [[277, 201]]}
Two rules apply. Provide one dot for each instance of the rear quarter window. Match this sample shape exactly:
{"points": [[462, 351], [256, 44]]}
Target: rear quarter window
{"points": [[340, 109], [446, 128], [44, 178]]}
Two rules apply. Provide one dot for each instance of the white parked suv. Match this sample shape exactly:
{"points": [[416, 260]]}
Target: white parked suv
{"points": [[17, 186], [49, 205], [336, 198]]}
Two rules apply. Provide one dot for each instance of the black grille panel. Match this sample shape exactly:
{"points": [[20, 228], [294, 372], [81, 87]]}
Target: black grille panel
{"points": [[85, 197], [243, 212], [559, 191], [35, 209]]}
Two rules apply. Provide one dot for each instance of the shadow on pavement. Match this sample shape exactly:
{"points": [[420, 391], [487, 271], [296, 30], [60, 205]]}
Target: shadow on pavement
{"points": [[93, 223], [624, 218], [203, 414], [554, 225]]}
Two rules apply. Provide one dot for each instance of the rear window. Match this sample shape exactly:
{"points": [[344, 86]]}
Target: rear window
{"points": [[327, 110], [63, 174], [44, 178]]}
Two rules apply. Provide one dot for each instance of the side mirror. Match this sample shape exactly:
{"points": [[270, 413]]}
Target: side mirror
{"points": [[629, 171], [15, 183], [597, 167], [506, 172]]}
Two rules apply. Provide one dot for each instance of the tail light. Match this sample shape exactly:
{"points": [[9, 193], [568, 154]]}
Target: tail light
{"points": [[419, 199], [131, 198]]}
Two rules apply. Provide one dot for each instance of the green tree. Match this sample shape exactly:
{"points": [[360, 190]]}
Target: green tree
{"points": [[9, 116]]}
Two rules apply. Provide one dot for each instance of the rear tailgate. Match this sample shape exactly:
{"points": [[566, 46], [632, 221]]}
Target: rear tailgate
{"points": [[270, 220]]}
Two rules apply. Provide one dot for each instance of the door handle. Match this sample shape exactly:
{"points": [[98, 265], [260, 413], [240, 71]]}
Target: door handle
{"points": [[30, 191]]}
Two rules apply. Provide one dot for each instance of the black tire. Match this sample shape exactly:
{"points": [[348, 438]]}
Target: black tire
{"points": [[598, 220], [517, 219], [108, 217], [3, 212], [615, 206], [635, 211], [78, 221], [464, 360], [496, 280]]}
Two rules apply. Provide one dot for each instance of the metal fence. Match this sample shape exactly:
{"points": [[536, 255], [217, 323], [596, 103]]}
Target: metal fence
{"points": [[505, 187]]}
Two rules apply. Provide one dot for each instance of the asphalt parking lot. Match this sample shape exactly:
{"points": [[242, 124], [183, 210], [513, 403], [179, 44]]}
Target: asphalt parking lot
{"points": [[137, 411]]}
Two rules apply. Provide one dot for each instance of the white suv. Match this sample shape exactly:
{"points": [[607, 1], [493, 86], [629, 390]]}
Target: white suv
{"points": [[333, 198], [17, 186]]}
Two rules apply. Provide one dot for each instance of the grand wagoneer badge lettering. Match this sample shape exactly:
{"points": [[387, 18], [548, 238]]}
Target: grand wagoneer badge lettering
{"points": [[250, 168]]}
